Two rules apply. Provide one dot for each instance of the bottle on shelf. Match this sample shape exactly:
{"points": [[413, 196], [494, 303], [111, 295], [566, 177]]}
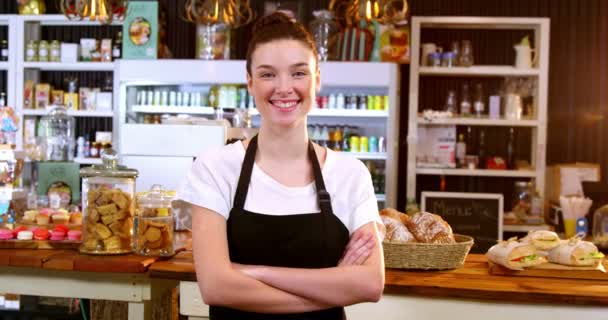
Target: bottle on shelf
{"points": [[450, 102], [511, 150], [479, 106], [117, 47], [465, 101], [461, 147], [2, 99], [481, 149], [4, 50]]}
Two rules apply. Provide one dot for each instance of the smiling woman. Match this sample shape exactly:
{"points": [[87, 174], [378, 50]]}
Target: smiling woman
{"points": [[281, 225]]}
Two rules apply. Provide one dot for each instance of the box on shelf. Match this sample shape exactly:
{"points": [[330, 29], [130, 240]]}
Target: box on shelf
{"points": [[140, 30], [87, 47], [103, 101], [43, 95], [69, 52], [53, 172], [567, 178], [436, 146]]}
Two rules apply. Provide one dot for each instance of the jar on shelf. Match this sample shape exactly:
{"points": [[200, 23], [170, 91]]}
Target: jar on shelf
{"points": [[154, 222], [522, 199], [600, 228], [57, 130], [31, 51], [108, 207], [323, 29], [55, 49], [43, 51]]}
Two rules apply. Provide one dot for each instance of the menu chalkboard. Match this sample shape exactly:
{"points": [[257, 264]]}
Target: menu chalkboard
{"points": [[478, 215]]}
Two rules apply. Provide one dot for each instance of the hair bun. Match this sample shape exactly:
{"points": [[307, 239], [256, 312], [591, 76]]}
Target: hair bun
{"points": [[274, 20]]}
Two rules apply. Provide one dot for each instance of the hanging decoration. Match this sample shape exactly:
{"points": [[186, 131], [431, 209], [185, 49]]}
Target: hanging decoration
{"points": [[231, 13], [104, 11]]}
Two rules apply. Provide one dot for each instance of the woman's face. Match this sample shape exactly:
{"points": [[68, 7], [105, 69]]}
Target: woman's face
{"points": [[283, 81]]}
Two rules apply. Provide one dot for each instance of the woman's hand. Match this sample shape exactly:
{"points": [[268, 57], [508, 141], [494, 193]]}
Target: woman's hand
{"points": [[358, 249]]}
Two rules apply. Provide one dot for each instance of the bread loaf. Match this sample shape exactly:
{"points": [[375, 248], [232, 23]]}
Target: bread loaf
{"points": [[397, 215], [396, 231], [430, 228]]}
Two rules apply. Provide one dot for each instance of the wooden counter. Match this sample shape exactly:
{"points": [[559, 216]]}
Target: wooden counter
{"points": [[470, 282]]}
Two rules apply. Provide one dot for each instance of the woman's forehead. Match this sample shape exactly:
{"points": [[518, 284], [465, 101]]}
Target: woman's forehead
{"points": [[282, 53]]}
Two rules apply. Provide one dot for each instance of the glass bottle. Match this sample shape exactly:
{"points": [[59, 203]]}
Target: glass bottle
{"points": [[600, 228], [465, 101], [461, 150], [117, 46], [465, 58], [323, 28], [450, 102], [481, 152], [479, 106], [55, 51], [4, 50], [31, 51], [43, 51], [511, 150], [108, 206]]}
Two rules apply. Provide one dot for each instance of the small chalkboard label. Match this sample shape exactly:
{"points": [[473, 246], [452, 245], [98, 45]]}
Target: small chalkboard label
{"points": [[478, 215]]}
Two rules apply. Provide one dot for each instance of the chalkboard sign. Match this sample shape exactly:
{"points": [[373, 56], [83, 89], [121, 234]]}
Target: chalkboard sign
{"points": [[478, 215]]}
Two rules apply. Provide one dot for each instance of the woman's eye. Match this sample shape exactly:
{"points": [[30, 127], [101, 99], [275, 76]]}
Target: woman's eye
{"points": [[266, 75], [299, 74]]}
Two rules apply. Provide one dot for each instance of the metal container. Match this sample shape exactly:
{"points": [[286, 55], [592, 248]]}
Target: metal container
{"points": [[108, 206]]}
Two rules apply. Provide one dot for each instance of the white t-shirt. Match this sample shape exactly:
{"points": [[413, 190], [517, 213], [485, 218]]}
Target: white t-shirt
{"points": [[213, 178]]}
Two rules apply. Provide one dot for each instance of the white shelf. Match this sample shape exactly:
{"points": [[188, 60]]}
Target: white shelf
{"points": [[381, 197], [477, 172], [485, 71], [368, 155], [75, 66], [4, 65], [172, 109], [61, 20], [74, 113], [479, 122], [343, 113], [525, 227], [88, 160]]}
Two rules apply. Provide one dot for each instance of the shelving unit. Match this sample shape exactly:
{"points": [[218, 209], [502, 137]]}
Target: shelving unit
{"points": [[30, 28], [10, 21], [176, 75], [540, 28]]}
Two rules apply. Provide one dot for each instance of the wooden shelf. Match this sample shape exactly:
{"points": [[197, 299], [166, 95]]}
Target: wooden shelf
{"points": [[477, 172], [479, 122], [74, 113], [75, 66], [481, 71], [62, 20]]}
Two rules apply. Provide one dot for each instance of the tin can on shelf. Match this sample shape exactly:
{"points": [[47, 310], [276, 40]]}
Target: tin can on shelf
{"points": [[43, 51], [363, 144], [55, 51], [354, 144], [31, 51], [154, 222], [108, 206]]}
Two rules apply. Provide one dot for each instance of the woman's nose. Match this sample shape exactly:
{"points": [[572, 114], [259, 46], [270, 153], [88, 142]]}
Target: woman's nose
{"points": [[284, 85]]}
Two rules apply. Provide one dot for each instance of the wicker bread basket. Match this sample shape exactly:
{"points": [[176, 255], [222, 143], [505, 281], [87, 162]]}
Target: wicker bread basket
{"points": [[427, 256]]}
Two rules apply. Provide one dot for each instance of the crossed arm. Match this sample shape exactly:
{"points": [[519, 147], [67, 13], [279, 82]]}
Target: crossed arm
{"points": [[358, 278]]}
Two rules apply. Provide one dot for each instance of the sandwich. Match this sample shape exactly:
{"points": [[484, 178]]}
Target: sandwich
{"points": [[576, 252], [514, 255], [542, 239]]}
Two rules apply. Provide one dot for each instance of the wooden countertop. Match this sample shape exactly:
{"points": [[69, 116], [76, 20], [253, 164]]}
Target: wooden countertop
{"points": [[473, 281]]}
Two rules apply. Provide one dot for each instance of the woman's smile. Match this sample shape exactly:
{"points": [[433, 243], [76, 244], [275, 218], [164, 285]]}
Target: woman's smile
{"points": [[285, 105]]}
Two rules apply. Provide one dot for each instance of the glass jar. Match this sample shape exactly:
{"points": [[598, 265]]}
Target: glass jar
{"points": [[600, 228], [212, 42], [522, 199], [108, 207], [31, 51], [466, 58], [57, 131], [43, 51], [154, 222], [55, 51], [323, 29]]}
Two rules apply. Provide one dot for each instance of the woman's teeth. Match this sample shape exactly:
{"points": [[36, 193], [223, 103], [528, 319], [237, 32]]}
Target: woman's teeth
{"points": [[284, 104]]}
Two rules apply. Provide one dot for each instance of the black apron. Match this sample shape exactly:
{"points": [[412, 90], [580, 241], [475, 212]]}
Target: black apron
{"points": [[315, 240]]}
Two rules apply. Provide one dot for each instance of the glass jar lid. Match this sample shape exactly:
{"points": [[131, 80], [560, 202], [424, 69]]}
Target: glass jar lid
{"points": [[157, 197], [109, 167]]}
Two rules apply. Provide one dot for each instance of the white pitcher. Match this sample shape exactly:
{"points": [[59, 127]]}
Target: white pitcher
{"points": [[523, 57]]}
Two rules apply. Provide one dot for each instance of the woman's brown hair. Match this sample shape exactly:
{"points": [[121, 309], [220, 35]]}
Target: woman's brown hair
{"points": [[278, 26]]}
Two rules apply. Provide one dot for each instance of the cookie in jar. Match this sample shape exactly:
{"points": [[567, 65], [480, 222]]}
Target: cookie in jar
{"points": [[154, 222], [108, 207]]}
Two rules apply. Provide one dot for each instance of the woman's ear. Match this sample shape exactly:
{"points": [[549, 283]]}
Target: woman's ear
{"points": [[249, 84], [318, 81]]}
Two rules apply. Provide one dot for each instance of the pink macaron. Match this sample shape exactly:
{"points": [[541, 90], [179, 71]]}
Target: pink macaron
{"points": [[57, 235], [74, 235], [6, 234]]}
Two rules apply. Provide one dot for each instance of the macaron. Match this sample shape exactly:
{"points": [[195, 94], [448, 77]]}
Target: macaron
{"points": [[57, 235], [16, 230], [25, 235], [41, 234], [6, 234], [62, 228], [74, 235]]}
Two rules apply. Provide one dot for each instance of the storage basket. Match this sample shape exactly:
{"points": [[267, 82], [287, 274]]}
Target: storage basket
{"points": [[427, 256]]}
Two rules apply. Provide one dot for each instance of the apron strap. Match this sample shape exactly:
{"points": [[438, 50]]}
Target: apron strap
{"points": [[245, 176], [322, 194]]}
